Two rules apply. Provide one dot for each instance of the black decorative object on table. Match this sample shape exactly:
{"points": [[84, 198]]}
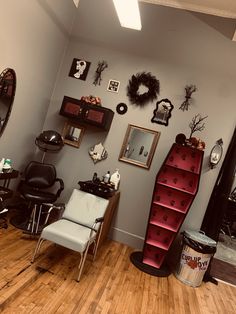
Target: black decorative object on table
{"points": [[189, 89], [180, 139], [149, 81], [162, 113], [97, 188], [102, 65]]}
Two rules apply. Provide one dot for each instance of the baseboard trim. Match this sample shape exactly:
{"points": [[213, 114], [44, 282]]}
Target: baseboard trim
{"points": [[125, 237]]}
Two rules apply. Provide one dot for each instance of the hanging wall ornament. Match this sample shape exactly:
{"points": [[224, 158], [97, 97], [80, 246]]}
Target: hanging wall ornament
{"points": [[98, 152], [148, 81], [121, 108], [102, 65], [162, 113], [189, 89]]}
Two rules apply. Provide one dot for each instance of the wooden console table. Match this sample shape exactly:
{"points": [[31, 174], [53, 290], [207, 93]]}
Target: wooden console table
{"points": [[7, 176], [5, 192], [112, 206]]}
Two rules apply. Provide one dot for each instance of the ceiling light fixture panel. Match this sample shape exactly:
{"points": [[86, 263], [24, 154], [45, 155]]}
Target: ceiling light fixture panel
{"points": [[128, 13]]}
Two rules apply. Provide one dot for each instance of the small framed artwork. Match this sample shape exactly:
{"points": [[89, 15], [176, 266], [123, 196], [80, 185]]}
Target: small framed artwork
{"points": [[72, 134], [113, 86], [162, 113], [79, 69]]}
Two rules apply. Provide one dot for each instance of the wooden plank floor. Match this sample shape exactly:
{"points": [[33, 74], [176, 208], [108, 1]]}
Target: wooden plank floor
{"points": [[109, 285]]}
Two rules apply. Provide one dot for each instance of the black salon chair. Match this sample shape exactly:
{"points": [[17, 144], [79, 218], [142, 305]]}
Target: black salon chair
{"points": [[40, 188]]}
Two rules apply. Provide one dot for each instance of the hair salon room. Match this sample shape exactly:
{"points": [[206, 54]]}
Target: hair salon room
{"points": [[117, 160]]}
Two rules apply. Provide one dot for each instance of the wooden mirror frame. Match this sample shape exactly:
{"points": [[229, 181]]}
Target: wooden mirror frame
{"points": [[67, 138], [7, 94], [151, 150]]}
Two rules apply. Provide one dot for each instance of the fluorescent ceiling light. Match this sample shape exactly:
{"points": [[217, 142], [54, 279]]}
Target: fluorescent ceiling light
{"points": [[128, 13], [76, 2]]}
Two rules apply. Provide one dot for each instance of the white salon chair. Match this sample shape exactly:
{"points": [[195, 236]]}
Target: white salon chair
{"points": [[79, 227]]}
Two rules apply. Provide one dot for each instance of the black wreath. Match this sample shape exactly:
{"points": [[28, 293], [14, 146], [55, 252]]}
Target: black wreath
{"points": [[147, 80]]}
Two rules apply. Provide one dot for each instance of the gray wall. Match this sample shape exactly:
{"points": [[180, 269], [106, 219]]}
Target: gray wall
{"points": [[178, 47], [33, 36], [215, 98]]}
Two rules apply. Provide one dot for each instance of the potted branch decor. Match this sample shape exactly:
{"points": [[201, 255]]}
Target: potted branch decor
{"points": [[196, 125]]}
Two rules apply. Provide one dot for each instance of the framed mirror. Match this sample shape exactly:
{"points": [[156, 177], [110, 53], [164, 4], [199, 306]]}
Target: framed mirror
{"points": [[7, 94], [72, 134], [139, 146], [216, 153]]}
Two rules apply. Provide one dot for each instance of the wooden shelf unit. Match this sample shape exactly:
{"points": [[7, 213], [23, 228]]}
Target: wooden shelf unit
{"points": [[176, 186]]}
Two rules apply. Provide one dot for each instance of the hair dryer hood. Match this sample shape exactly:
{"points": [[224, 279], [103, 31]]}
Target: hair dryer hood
{"points": [[49, 141]]}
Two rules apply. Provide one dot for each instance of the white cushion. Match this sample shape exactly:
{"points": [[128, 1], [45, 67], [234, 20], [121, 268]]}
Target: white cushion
{"points": [[67, 234], [84, 207]]}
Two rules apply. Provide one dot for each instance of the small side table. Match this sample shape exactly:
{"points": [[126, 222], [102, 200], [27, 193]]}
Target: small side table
{"points": [[7, 176], [111, 209], [5, 193]]}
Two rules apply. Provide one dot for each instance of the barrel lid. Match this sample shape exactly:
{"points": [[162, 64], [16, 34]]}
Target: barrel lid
{"points": [[200, 237]]}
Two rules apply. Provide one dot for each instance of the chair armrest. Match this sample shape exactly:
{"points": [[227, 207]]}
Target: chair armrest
{"points": [[100, 219], [61, 186]]}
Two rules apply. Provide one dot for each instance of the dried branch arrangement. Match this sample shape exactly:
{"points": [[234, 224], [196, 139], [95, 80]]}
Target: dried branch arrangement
{"points": [[102, 65], [196, 124], [189, 89]]}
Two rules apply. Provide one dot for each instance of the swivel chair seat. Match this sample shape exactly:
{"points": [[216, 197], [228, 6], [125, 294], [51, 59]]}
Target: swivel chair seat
{"points": [[38, 189]]}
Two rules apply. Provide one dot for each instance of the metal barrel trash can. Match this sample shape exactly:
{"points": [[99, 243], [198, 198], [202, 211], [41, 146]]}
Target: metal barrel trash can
{"points": [[195, 257]]}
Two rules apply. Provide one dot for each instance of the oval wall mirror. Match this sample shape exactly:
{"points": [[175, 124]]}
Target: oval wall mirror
{"points": [[7, 94]]}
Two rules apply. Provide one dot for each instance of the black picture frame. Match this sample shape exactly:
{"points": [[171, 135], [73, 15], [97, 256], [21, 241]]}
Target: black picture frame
{"points": [[79, 69], [162, 113]]}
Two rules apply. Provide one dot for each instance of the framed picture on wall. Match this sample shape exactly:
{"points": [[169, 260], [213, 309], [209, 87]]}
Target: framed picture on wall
{"points": [[79, 69], [113, 86], [72, 134]]}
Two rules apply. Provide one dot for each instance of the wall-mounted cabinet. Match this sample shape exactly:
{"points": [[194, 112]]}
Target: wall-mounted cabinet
{"points": [[84, 113]]}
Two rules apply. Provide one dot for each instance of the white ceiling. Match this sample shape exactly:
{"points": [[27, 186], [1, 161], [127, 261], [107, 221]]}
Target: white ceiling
{"points": [[184, 37], [223, 8]]}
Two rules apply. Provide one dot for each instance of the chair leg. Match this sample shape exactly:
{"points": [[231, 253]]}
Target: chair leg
{"points": [[96, 243], [38, 246], [32, 219], [82, 260], [38, 220], [48, 213]]}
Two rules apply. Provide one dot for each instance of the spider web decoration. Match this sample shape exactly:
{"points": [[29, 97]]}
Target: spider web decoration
{"points": [[149, 81]]}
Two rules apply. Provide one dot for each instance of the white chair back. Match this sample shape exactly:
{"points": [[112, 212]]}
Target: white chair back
{"points": [[84, 208]]}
